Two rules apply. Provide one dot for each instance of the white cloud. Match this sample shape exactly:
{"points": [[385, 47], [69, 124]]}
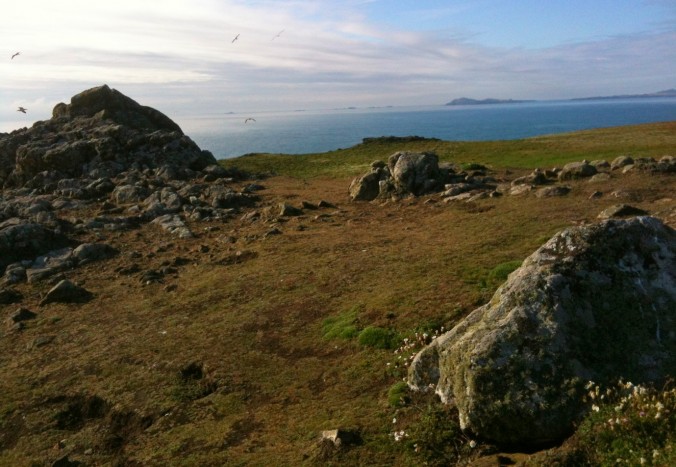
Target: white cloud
{"points": [[178, 56]]}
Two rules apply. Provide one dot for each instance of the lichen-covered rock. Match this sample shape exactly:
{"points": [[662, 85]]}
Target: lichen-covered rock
{"points": [[415, 173], [368, 186], [596, 302], [575, 170]]}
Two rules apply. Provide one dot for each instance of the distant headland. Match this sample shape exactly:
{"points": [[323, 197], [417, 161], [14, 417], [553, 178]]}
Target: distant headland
{"points": [[468, 101]]}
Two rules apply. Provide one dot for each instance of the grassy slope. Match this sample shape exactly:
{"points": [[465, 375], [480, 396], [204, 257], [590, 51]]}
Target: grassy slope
{"points": [[545, 151], [256, 326]]}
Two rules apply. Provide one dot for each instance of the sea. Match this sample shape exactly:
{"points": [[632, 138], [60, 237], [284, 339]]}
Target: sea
{"points": [[231, 135]]}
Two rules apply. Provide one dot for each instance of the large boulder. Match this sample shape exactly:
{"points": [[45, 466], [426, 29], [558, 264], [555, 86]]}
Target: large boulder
{"points": [[594, 303], [575, 170], [415, 173]]}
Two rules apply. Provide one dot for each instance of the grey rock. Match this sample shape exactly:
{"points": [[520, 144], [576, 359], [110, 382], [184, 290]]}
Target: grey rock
{"points": [[415, 173], [621, 161], [66, 292], [601, 164], [286, 210], [367, 186], [90, 252], [27, 240], [596, 302], [129, 194], [576, 170], [621, 210], [174, 225], [555, 190]]}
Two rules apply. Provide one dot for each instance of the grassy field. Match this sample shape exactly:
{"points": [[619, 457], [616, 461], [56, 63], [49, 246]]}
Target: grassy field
{"points": [[653, 140], [257, 343]]}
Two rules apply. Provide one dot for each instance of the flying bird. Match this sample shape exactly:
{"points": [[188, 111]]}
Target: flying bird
{"points": [[278, 34], [249, 119], [18, 53], [236, 37], [22, 110]]}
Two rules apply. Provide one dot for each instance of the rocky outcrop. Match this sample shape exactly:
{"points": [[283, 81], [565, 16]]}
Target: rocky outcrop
{"points": [[596, 303], [116, 163], [404, 174], [100, 133]]}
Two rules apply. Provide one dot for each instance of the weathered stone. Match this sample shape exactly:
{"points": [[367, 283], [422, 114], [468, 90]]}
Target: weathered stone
{"points": [[367, 187], [174, 225], [555, 190], [286, 210], [90, 252], [26, 240], [596, 302], [520, 190], [601, 164], [127, 194], [620, 162], [415, 173], [66, 292], [575, 170], [621, 210]]}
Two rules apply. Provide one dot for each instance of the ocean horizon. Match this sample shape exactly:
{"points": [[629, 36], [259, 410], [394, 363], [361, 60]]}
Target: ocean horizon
{"points": [[229, 135]]}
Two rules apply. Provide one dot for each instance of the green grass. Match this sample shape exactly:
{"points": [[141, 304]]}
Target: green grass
{"points": [[277, 337], [378, 338], [647, 140], [342, 326]]}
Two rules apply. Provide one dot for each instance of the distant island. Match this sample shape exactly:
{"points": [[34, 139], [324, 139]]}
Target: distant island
{"points": [[468, 101]]}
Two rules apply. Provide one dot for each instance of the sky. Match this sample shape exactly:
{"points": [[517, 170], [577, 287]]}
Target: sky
{"points": [[203, 57]]}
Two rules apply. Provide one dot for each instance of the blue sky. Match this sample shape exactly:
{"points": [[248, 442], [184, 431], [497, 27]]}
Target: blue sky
{"points": [[178, 55]]}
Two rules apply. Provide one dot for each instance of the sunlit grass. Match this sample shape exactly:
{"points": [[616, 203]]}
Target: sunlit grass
{"points": [[654, 139]]}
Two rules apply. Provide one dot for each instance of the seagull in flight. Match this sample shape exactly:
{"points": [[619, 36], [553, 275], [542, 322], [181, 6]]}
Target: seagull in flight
{"points": [[18, 53], [236, 37], [278, 34], [249, 119], [22, 110]]}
